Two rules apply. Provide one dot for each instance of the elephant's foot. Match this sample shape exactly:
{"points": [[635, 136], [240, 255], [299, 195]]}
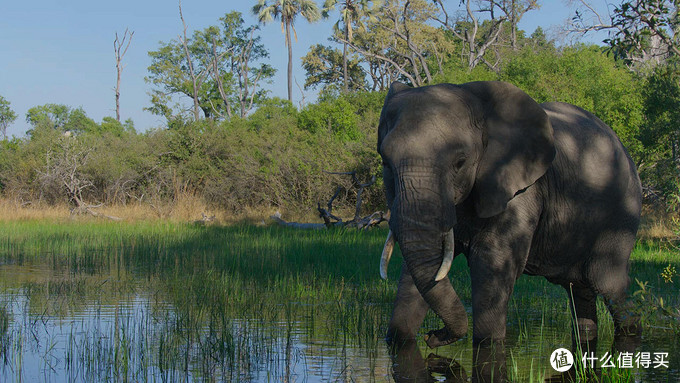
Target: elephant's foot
{"points": [[628, 339], [441, 337], [627, 334], [396, 341], [488, 361]]}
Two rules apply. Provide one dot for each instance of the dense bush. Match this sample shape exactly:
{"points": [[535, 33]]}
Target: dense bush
{"points": [[275, 157], [280, 156]]}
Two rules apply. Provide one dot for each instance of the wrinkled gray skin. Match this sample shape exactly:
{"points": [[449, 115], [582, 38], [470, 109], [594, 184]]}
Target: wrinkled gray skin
{"points": [[537, 189]]}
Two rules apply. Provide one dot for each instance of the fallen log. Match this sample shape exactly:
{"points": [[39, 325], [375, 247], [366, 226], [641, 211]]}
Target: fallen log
{"points": [[330, 220], [362, 224], [297, 225]]}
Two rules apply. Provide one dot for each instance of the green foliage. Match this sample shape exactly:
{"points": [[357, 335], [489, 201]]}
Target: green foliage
{"points": [[8, 153], [323, 64], [274, 112], [456, 73], [335, 116], [60, 118], [645, 31], [274, 157], [7, 116], [660, 134], [228, 67], [251, 150]]}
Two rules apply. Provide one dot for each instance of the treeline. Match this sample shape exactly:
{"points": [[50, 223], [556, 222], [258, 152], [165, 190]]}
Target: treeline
{"points": [[236, 147], [275, 157]]}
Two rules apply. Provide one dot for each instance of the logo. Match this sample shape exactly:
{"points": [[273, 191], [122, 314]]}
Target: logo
{"points": [[561, 360]]}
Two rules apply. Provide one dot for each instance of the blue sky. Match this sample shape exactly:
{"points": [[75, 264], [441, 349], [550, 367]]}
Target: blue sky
{"points": [[62, 51]]}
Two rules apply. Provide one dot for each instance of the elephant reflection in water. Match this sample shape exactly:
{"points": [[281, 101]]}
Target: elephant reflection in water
{"points": [[408, 365], [483, 170]]}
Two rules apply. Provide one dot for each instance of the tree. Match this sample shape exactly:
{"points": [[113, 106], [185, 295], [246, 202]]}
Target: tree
{"points": [[642, 32], [514, 11], [245, 49], [322, 63], [196, 77], [63, 171], [120, 53], [60, 118], [7, 116], [402, 40], [377, 56], [477, 35], [660, 134], [351, 12], [227, 70], [645, 35], [646, 28], [287, 11]]}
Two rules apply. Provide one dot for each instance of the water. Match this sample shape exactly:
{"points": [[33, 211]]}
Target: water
{"points": [[61, 329], [60, 321]]}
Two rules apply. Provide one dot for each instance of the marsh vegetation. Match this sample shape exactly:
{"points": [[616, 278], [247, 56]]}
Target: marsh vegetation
{"points": [[159, 301]]}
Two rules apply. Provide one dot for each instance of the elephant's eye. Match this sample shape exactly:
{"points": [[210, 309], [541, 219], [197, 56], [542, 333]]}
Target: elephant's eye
{"points": [[459, 163]]}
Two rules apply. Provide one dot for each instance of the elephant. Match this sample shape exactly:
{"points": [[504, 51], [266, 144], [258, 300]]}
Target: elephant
{"points": [[481, 169]]}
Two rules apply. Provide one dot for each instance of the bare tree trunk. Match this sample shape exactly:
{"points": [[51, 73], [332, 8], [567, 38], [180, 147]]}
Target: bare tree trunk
{"points": [[246, 98], [290, 60], [190, 64], [218, 78], [117, 47], [344, 58]]}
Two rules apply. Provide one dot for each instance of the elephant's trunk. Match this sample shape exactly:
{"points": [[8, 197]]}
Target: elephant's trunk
{"points": [[423, 254], [446, 261], [422, 229]]}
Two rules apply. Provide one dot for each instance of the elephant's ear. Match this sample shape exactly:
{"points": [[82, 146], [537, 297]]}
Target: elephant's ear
{"points": [[383, 128], [519, 145]]}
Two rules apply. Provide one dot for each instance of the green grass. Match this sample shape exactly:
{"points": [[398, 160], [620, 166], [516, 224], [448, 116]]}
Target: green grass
{"points": [[230, 301]]}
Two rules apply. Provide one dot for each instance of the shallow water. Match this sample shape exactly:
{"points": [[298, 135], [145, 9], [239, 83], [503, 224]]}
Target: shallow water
{"points": [[109, 323], [124, 341]]}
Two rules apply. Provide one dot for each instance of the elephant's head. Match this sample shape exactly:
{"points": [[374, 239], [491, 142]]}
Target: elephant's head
{"points": [[442, 145]]}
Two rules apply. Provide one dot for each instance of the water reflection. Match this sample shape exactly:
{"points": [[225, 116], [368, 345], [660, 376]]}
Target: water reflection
{"points": [[117, 325], [408, 365]]}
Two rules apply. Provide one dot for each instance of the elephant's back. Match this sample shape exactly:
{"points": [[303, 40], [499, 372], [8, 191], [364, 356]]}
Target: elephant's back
{"points": [[591, 191], [592, 154]]}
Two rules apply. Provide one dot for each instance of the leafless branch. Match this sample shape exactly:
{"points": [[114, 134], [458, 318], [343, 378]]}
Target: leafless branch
{"points": [[396, 66], [196, 79], [215, 59], [588, 19], [117, 47]]}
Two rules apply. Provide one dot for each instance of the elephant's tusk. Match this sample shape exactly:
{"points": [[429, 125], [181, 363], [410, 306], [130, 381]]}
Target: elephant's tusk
{"points": [[386, 255], [448, 257]]}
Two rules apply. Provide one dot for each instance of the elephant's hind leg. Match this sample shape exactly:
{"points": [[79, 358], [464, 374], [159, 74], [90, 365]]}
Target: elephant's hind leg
{"points": [[627, 328], [609, 274], [583, 302]]}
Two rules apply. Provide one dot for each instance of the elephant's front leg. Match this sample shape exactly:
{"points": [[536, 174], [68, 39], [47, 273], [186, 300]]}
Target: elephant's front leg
{"points": [[408, 313], [495, 265], [491, 290]]}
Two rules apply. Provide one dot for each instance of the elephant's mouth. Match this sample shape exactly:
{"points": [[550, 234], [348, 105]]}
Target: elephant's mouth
{"points": [[447, 259]]}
